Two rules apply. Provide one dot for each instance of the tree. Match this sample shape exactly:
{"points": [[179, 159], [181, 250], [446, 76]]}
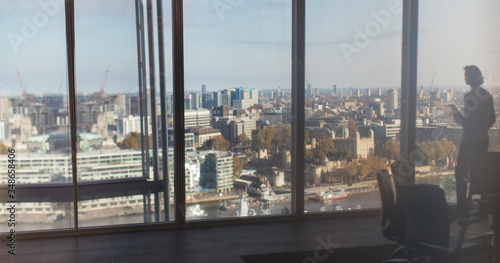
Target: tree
{"points": [[450, 148], [243, 139], [237, 167], [133, 141], [263, 139], [320, 155], [374, 163], [130, 142], [342, 154], [318, 135], [390, 150], [437, 151], [426, 152], [363, 168], [283, 139], [217, 143]]}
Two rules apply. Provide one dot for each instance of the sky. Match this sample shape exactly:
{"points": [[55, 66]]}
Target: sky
{"points": [[234, 43]]}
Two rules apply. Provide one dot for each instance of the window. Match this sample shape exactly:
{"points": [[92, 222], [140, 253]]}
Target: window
{"points": [[118, 111], [352, 114], [237, 75], [449, 40], [34, 112]]}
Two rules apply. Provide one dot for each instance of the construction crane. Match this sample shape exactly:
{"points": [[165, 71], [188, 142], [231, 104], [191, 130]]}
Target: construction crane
{"points": [[23, 88], [103, 93]]}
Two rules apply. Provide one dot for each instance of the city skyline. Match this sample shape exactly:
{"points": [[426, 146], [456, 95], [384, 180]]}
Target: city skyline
{"points": [[247, 44]]}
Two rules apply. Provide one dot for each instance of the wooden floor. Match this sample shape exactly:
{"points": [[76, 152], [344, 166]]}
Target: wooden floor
{"points": [[205, 244]]}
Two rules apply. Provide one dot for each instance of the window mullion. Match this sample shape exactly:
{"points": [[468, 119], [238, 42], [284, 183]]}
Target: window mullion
{"points": [[152, 90], [178, 85], [409, 86], [298, 104], [70, 47], [163, 106]]}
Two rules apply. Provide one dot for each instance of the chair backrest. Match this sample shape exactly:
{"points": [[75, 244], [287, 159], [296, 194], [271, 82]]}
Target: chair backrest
{"points": [[386, 196], [427, 224], [400, 176], [392, 217], [484, 172]]}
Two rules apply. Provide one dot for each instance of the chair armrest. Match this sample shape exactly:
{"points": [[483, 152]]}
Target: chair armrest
{"points": [[464, 223]]}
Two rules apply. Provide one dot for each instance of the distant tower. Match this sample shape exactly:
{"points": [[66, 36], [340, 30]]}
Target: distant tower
{"points": [[392, 99], [335, 89], [204, 88], [309, 89], [368, 92], [358, 92], [421, 92]]}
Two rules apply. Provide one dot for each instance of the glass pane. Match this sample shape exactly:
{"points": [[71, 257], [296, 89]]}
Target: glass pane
{"points": [[238, 101], [34, 118], [353, 69], [116, 179], [449, 40]]}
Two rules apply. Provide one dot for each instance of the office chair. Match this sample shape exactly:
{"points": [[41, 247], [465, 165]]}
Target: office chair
{"points": [[392, 217], [495, 212], [428, 225]]}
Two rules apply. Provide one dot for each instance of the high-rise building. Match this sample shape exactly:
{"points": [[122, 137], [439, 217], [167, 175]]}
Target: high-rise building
{"points": [[309, 89], [217, 171], [207, 100], [370, 114], [245, 98], [392, 99], [335, 91], [378, 107], [217, 95], [170, 103], [204, 88], [195, 100]]}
